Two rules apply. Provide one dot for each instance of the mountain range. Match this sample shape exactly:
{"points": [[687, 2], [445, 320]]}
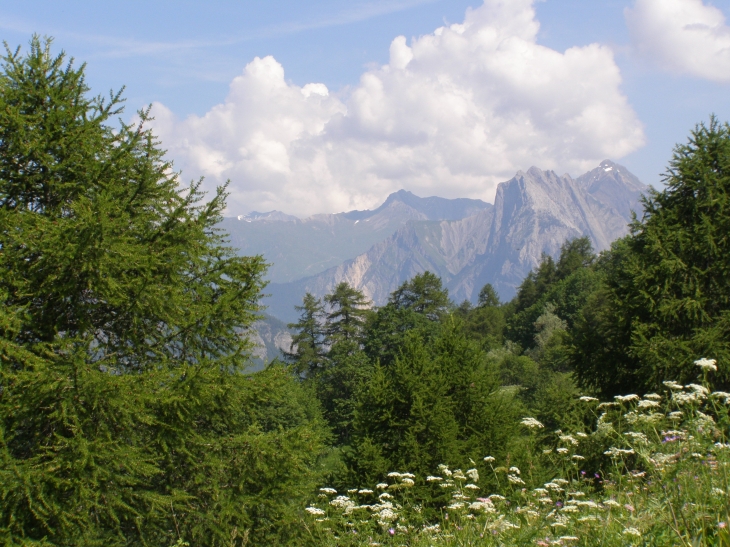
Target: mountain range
{"points": [[297, 248], [466, 242]]}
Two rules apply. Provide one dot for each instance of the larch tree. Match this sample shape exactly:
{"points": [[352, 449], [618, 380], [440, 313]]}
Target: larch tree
{"points": [[125, 418]]}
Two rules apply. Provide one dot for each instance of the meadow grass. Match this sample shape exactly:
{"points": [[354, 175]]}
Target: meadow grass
{"points": [[659, 475]]}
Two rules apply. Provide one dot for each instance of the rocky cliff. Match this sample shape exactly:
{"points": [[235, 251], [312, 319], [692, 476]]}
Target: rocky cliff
{"points": [[534, 213]]}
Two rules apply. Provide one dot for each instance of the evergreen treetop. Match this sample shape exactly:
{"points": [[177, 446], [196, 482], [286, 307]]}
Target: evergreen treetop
{"points": [[124, 416]]}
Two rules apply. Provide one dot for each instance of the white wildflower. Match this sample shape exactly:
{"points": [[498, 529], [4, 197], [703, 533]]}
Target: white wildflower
{"points": [[489, 459], [531, 423], [407, 482], [561, 450], [431, 478], [385, 496], [707, 364], [568, 439], [676, 415], [607, 405], [701, 391], [471, 486], [611, 503], [648, 404], [704, 417], [638, 437], [365, 491], [456, 505], [515, 470], [514, 479], [632, 532], [627, 398], [577, 457], [568, 538], [473, 474], [315, 511], [340, 500], [653, 396], [581, 435], [718, 492], [587, 399], [387, 514], [671, 384], [616, 452], [381, 485], [394, 474], [722, 395]]}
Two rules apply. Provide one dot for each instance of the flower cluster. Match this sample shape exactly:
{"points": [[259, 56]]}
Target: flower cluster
{"points": [[663, 454]]}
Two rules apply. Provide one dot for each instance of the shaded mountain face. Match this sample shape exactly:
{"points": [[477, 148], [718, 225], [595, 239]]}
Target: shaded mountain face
{"points": [[534, 213], [298, 248]]}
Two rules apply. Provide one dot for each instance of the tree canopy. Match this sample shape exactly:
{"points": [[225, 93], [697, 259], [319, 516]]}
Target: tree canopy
{"points": [[666, 298], [125, 418]]}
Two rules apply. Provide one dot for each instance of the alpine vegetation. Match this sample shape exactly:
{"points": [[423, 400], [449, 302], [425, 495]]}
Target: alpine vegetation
{"points": [[659, 475], [591, 409]]}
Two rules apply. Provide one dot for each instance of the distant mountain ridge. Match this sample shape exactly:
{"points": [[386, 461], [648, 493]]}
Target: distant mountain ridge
{"points": [[298, 248], [535, 212]]}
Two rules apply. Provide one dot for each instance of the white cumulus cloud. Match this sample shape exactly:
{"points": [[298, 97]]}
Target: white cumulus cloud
{"points": [[683, 36], [453, 113]]}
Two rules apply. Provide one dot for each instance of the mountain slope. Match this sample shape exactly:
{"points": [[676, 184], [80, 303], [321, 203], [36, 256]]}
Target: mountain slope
{"points": [[534, 213], [298, 248]]}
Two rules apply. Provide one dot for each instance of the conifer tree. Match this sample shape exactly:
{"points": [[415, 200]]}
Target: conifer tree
{"points": [[666, 296], [348, 309], [307, 352], [124, 416]]}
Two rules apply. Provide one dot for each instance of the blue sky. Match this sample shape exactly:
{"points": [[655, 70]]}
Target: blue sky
{"points": [[184, 56]]}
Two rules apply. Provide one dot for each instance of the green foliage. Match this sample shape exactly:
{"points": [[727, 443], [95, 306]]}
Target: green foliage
{"points": [[666, 296], [488, 296], [651, 471], [417, 305], [439, 400], [424, 294], [125, 418], [347, 313], [307, 351], [565, 285]]}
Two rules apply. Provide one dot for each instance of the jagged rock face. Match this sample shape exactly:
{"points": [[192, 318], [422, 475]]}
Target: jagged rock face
{"points": [[534, 213], [269, 337]]}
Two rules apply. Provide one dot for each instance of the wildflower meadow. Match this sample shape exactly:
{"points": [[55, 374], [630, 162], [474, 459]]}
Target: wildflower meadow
{"points": [[652, 470]]}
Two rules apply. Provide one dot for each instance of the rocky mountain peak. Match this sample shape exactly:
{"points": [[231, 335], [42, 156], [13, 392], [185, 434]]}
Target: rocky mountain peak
{"points": [[534, 212]]}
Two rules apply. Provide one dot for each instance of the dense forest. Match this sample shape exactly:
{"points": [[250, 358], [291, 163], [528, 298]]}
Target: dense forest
{"points": [[128, 417]]}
